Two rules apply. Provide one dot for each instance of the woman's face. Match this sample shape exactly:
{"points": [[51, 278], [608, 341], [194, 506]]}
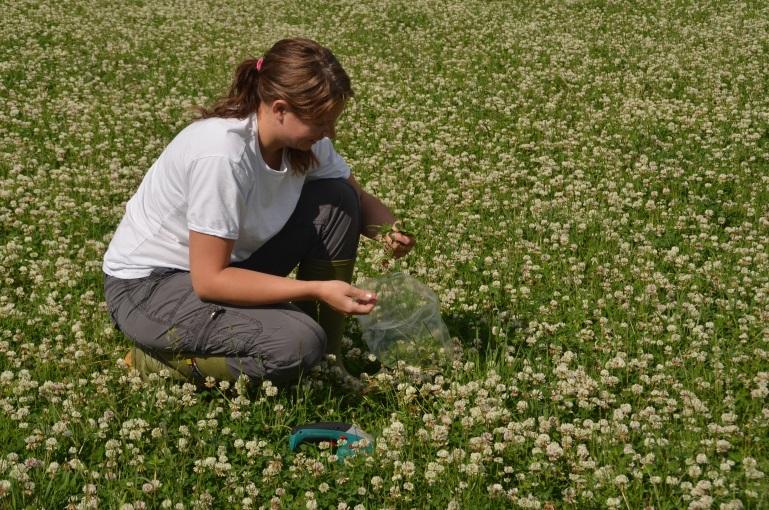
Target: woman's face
{"points": [[301, 134]]}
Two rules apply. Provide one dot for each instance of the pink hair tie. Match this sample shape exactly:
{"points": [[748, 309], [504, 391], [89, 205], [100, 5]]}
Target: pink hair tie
{"points": [[259, 63]]}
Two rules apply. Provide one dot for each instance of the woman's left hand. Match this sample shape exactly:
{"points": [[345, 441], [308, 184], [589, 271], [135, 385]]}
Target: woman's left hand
{"points": [[399, 243]]}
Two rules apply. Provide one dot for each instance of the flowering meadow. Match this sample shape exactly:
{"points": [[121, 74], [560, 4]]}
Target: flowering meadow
{"points": [[589, 185]]}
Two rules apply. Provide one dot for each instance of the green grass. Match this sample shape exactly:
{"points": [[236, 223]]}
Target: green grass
{"points": [[588, 185]]}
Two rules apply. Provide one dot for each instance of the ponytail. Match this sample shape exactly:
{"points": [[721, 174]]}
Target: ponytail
{"points": [[242, 98]]}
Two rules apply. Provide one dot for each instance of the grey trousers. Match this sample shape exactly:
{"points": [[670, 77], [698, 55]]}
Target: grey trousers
{"points": [[161, 313]]}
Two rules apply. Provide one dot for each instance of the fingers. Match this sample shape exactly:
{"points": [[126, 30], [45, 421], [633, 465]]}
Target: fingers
{"points": [[401, 238], [363, 301], [362, 296], [399, 243], [361, 309], [346, 299]]}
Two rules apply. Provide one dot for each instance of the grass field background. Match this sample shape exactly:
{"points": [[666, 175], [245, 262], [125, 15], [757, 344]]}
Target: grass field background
{"points": [[589, 185]]}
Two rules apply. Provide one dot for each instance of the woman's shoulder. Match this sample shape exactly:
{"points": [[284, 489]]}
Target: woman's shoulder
{"points": [[216, 136], [323, 148]]}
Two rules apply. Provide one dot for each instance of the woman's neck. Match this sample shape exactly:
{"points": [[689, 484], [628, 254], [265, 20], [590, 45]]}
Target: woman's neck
{"points": [[269, 145]]}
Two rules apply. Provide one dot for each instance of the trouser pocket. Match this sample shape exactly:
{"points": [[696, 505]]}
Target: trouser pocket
{"points": [[211, 318], [144, 308]]}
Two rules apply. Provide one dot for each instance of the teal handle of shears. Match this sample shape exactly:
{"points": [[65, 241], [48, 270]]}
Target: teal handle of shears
{"points": [[326, 435], [315, 435]]}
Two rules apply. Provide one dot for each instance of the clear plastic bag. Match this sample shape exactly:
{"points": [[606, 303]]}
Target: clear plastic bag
{"points": [[405, 325]]}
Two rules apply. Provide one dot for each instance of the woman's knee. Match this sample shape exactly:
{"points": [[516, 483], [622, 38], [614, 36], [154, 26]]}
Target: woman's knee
{"points": [[335, 192], [337, 218], [298, 352], [308, 346], [345, 195]]}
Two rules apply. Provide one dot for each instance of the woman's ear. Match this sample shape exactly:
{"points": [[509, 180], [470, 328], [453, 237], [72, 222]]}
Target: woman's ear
{"points": [[279, 108]]}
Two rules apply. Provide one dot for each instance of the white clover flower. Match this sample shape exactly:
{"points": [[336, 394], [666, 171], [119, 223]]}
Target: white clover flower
{"points": [[751, 472], [269, 389], [703, 503], [553, 451]]}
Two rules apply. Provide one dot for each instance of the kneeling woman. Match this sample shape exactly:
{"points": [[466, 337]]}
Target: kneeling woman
{"points": [[196, 273]]}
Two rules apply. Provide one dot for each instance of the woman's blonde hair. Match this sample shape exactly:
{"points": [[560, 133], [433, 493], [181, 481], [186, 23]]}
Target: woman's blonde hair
{"points": [[299, 71]]}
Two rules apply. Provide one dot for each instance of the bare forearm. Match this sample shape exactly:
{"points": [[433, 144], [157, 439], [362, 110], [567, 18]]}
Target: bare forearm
{"points": [[238, 286], [375, 215], [213, 279]]}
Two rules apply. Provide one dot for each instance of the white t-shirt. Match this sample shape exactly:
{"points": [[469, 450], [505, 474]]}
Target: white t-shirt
{"points": [[211, 179]]}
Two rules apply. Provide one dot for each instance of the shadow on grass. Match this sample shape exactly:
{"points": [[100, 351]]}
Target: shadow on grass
{"points": [[483, 333]]}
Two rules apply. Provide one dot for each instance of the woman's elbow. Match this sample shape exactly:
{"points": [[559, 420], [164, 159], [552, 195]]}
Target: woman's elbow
{"points": [[203, 287]]}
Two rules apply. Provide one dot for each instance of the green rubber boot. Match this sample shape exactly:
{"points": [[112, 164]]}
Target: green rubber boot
{"points": [[181, 368], [147, 364], [214, 366], [329, 319]]}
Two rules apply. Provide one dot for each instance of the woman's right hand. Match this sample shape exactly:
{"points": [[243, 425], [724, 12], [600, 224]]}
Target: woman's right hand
{"points": [[346, 299]]}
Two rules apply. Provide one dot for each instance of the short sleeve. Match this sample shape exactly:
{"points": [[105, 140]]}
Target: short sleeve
{"points": [[330, 163], [216, 197]]}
